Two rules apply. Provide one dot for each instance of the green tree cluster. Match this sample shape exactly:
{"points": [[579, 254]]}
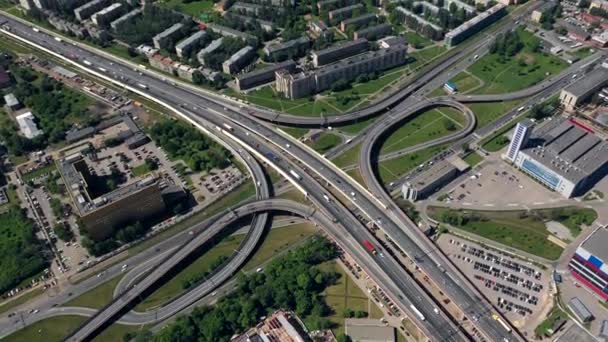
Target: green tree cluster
{"points": [[507, 44], [22, 255], [153, 20], [214, 265], [292, 282], [182, 141]]}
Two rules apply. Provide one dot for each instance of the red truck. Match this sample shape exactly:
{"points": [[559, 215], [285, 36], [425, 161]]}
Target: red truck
{"points": [[369, 247]]}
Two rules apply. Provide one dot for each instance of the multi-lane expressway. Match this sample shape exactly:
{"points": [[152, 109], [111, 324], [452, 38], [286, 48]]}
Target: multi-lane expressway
{"points": [[403, 289], [211, 110]]}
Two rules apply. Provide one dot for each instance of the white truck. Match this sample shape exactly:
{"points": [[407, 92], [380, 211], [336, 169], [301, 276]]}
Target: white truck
{"points": [[87, 62], [417, 312], [295, 175]]}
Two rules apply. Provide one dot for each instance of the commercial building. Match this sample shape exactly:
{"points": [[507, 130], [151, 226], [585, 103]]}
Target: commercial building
{"points": [[357, 22], [579, 310], [27, 125], [304, 84], [474, 25], [117, 24], [588, 264], [229, 32], [288, 49], [565, 156], [344, 12], [374, 32], [425, 183], [339, 51], [104, 17], [172, 34], [262, 76], [85, 11], [191, 43], [11, 102], [238, 61], [369, 330], [521, 133], [581, 90], [213, 46], [280, 326]]}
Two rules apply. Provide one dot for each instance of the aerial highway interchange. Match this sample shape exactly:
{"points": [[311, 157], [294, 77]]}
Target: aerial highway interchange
{"points": [[245, 129]]}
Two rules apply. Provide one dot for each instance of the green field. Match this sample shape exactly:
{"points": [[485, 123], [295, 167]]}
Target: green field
{"points": [[425, 126], [98, 297], [295, 132], [488, 112], [356, 127], [193, 8], [473, 159], [277, 240], [416, 40], [392, 169], [464, 83], [556, 314], [345, 294], [511, 228], [55, 329], [141, 170], [349, 157], [325, 142], [526, 68]]}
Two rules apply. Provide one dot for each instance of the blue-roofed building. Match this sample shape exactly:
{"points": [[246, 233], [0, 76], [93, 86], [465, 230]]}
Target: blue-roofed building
{"points": [[450, 87]]}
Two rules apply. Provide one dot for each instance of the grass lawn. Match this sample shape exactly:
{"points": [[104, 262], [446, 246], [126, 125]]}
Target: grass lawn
{"points": [[356, 176], [488, 112], [521, 71], [473, 159], [583, 52], [8, 305], [49, 330], [140, 170], [98, 297], [555, 315], [116, 332], [325, 142], [350, 157], [426, 55], [276, 241], [346, 294], [193, 8], [295, 132], [392, 169], [425, 126], [416, 40], [526, 233], [463, 81], [356, 127]]}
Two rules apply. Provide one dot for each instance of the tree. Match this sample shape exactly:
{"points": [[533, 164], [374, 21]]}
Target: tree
{"points": [[348, 313], [449, 125], [63, 232], [343, 338]]}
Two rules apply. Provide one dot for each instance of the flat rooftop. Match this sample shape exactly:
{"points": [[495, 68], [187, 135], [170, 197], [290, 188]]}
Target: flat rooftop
{"points": [[567, 148], [589, 82], [596, 244], [437, 171]]}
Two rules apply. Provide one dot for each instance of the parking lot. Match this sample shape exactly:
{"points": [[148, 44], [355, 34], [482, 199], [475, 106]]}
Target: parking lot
{"points": [[498, 184], [518, 289]]}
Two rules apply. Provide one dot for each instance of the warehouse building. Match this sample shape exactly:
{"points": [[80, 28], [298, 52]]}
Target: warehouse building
{"points": [[475, 25], [344, 12], [191, 43], [116, 24], [262, 76], [303, 84], [85, 11], [588, 264], [427, 182], [565, 156], [169, 35], [579, 310], [374, 32], [357, 22], [238, 61], [288, 49], [213, 46], [583, 88], [339, 51], [104, 17]]}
